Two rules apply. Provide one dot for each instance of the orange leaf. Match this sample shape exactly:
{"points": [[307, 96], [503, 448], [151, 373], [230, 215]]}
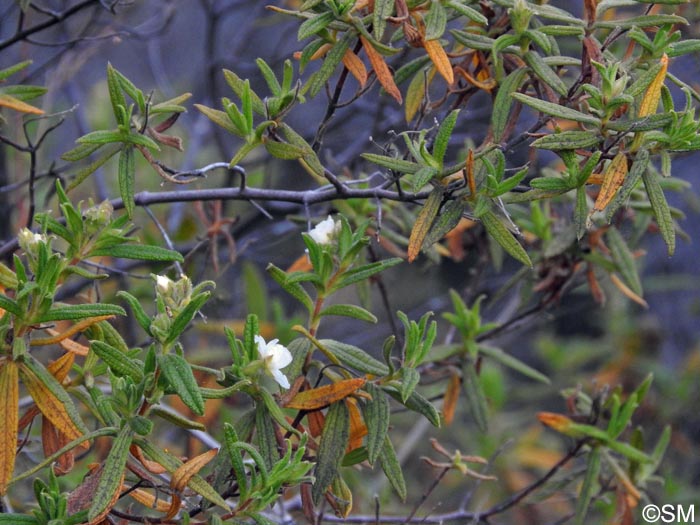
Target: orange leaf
{"points": [[316, 421], [74, 329], [302, 264], [325, 395], [151, 501], [50, 406], [627, 292], [52, 440], [439, 57], [11, 102], [486, 84], [612, 180], [61, 366], [558, 422], [386, 79], [9, 401], [151, 466], [183, 474], [356, 67], [653, 94], [449, 402], [358, 429]]}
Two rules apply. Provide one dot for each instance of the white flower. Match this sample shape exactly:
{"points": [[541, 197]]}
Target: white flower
{"points": [[275, 356], [163, 284], [325, 231]]}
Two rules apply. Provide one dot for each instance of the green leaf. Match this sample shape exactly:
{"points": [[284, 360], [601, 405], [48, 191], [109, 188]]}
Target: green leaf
{"points": [[238, 86], [80, 152], [410, 378], [284, 150], [355, 358], [382, 10], [639, 166], [349, 310], [120, 363], [79, 311], [508, 360], [101, 137], [503, 102], [447, 219], [392, 468], [265, 438], [313, 25], [9, 71], [498, 231], [183, 319], [365, 271], [10, 305], [435, 21], [556, 110], [474, 391], [589, 486], [469, 12], [376, 414], [417, 403], [178, 376], [219, 117], [141, 252], [640, 21], [442, 139], [139, 313], [18, 519], [661, 210], [550, 183], [142, 140], [568, 140], [423, 176], [236, 458], [330, 63], [112, 474], [392, 163], [545, 73], [624, 260], [116, 96], [127, 179], [88, 170], [293, 289], [334, 440]]}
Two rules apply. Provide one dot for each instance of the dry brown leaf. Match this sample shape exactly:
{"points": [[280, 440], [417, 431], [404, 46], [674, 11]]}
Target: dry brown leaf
{"points": [[151, 466], [449, 401], [386, 79], [358, 429]]}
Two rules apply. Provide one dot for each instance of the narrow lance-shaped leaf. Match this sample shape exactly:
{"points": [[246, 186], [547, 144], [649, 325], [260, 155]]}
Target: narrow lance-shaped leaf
{"points": [[111, 476], [423, 223], [503, 102], [498, 231], [440, 59], [322, 396], [334, 440], [330, 62], [555, 110], [392, 468], [614, 176], [442, 139], [661, 210], [624, 259], [9, 399], [386, 79], [127, 178], [474, 392], [544, 72], [177, 374], [589, 486], [376, 414]]}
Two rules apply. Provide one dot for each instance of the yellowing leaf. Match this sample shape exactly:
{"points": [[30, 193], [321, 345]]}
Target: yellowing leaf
{"points": [[11, 102], [386, 79], [152, 466], [356, 67], [61, 366], [74, 329], [423, 223], [612, 180], [449, 402], [627, 291], [149, 500], [651, 98], [9, 399], [440, 59], [325, 395], [358, 429], [49, 405], [183, 474]]}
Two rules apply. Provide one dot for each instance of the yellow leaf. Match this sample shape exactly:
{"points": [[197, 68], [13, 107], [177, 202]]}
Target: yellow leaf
{"points": [[386, 79], [558, 422], [74, 329], [49, 405], [612, 180], [439, 57], [423, 223], [416, 92], [449, 401], [152, 466], [183, 474], [61, 366], [9, 400], [149, 500], [11, 102], [325, 395], [487, 84], [356, 67], [651, 98]]}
